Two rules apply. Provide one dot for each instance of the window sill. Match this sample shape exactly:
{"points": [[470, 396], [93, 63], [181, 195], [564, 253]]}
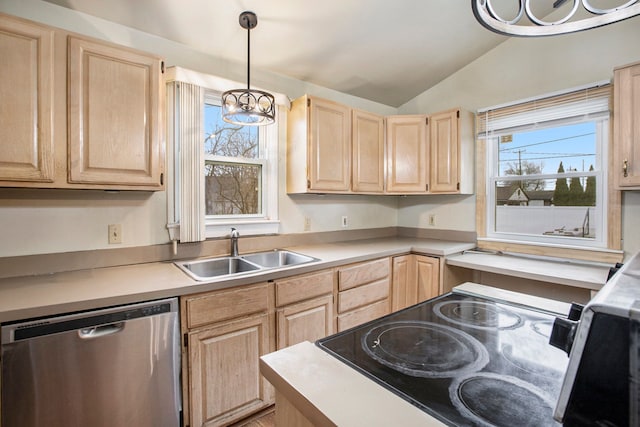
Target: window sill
{"points": [[222, 228], [605, 256]]}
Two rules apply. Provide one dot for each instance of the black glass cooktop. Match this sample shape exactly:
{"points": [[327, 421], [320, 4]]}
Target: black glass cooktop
{"points": [[465, 360]]}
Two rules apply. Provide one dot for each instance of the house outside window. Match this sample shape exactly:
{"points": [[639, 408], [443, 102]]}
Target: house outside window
{"points": [[546, 171]]}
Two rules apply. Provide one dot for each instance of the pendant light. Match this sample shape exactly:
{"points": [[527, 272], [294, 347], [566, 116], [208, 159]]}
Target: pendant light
{"points": [[248, 107], [527, 24]]}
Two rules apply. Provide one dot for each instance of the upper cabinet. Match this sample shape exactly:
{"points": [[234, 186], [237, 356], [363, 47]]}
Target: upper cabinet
{"points": [[430, 154], [114, 115], [318, 146], [367, 138], [26, 102], [107, 130], [332, 148], [407, 154], [452, 152], [626, 129]]}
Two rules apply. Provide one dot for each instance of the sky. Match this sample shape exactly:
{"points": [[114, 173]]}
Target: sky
{"points": [[574, 145]]}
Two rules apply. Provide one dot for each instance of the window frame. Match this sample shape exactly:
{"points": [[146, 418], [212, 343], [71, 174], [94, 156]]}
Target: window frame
{"points": [[602, 142], [265, 222], [609, 252]]}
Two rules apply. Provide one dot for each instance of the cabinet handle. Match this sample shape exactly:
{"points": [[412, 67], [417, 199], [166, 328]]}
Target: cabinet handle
{"points": [[625, 168]]}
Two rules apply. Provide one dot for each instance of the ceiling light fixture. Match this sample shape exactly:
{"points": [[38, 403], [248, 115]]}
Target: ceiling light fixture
{"points": [[533, 26], [246, 106]]}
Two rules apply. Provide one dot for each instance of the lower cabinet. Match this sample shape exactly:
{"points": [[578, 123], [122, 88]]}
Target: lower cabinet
{"points": [[225, 333], [304, 308], [363, 292], [416, 278]]}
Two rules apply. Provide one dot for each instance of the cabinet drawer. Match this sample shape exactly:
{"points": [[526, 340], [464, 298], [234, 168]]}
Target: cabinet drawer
{"points": [[359, 274], [227, 304], [300, 288], [362, 315], [363, 295]]}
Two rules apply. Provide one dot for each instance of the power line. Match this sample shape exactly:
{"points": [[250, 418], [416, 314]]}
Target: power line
{"points": [[547, 142], [549, 157]]}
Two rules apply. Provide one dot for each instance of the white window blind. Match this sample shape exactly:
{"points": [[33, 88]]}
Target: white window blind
{"points": [[573, 106]]}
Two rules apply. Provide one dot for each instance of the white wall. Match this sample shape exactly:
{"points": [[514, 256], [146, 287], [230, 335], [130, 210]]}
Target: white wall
{"points": [[36, 221], [39, 221], [520, 68]]}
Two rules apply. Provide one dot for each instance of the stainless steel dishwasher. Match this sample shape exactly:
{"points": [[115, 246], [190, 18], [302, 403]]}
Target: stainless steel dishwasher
{"points": [[113, 367]]}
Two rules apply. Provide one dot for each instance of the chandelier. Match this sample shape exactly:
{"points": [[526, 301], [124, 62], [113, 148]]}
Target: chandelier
{"points": [[534, 26], [248, 106]]}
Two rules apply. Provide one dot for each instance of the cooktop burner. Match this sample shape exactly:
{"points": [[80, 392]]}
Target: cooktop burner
{"points": [[477, 314], [470, 396], [425, 349], [467, 361]]}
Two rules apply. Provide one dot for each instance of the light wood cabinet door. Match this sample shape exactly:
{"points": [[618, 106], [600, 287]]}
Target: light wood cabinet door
{"points": [[427, 277], [330, 146], [626, 136], [407, 154], [445, 146], [224, 376], [305, 321], [26, 102], [367, 139], [114, 109], [318, 146], [416, 278]]}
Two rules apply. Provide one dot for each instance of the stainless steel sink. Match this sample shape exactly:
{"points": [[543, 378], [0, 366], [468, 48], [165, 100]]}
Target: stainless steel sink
{"points": [[225, 267], [277, 258], [205, 269]]}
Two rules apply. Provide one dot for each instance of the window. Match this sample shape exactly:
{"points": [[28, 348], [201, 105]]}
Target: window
{"points": [[240, 171], [219, 175], [546, 161]]}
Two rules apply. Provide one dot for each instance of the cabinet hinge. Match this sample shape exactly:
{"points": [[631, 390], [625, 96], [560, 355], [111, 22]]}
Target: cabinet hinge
{"points": [[308, 102], [458, 187], [308, 184], [185, 340], [427, 189], [426, 121], [162, 67], [162, 178], [458, 114]]}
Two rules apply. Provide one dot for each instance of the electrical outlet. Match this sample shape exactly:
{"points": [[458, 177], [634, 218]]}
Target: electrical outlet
{"points": [[432, 219], [345, 221], [115, 233], [307, 223]]}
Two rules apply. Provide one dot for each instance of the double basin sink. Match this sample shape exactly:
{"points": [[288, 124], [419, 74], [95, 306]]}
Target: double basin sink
{"points": [[231, 266]]}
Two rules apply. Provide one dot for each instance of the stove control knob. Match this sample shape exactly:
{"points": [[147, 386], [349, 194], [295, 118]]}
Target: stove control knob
{"points": [[575, 311], [563, 333]]}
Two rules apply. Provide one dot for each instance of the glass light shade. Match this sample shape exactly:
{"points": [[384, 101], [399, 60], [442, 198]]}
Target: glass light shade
{"points": [[248, 107]]}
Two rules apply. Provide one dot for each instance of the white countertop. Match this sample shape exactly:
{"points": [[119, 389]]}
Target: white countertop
{"points": [[329, 392], [577, 274], [50, 294]]}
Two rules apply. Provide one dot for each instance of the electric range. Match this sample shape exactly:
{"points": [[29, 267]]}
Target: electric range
{"points": [[464, 359]]}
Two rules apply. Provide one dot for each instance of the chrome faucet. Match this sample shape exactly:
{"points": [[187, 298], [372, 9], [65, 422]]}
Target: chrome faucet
{"points": [[234, 241]]}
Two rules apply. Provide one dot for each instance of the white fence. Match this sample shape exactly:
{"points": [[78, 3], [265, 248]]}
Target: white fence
{"points": [[546, 220]]}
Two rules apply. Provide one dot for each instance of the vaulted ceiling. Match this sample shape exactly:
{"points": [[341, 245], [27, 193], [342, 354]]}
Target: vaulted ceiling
{"points": [[386, 51]]}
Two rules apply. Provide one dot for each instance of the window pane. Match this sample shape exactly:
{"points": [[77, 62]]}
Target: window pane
{"points": [[562, 207], [548, 151], [224, 139], [232, 189]]}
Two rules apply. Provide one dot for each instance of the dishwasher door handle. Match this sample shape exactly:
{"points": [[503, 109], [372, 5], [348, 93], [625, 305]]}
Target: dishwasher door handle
{"points": [[100, 331]]}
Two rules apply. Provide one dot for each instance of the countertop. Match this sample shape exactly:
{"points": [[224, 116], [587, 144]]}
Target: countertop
{"points": [[51, 294], [577, 274]]}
